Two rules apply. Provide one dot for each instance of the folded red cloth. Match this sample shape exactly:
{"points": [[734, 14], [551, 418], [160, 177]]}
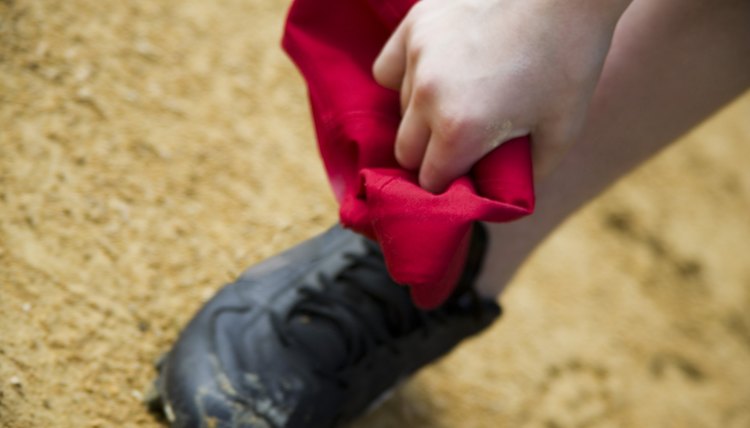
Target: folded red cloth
{"points": [[424, 237]]}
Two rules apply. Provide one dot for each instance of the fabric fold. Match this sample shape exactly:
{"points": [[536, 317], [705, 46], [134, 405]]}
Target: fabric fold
{"points": [[424, 237]]}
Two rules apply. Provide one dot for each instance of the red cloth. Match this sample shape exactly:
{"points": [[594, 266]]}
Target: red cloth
{"points": [[424, 237]]}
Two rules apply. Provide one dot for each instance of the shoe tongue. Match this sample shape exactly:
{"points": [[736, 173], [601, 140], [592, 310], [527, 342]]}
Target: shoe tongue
{"points": [[336, 341]]}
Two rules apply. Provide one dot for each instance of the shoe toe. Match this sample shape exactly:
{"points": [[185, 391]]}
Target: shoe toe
{"points": [[193, 382]]}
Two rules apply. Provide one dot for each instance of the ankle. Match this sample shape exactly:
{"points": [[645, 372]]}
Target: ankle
{"points": [[508, 247]]}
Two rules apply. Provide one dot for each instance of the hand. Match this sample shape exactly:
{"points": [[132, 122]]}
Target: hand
{"points": [[473, 74]]}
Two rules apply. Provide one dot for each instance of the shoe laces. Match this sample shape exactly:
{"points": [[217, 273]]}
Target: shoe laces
{"points": [[340, 300]]}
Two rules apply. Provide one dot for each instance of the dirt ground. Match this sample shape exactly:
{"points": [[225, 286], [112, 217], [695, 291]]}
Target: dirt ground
{"points": [[150, 151]]}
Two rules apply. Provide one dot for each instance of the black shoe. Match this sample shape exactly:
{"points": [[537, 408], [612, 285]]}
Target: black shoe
{"points": [[310, 338]]}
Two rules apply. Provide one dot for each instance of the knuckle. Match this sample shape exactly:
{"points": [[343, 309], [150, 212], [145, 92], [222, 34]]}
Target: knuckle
{"points": [[414, 50], [425, 89], [454, 126]]}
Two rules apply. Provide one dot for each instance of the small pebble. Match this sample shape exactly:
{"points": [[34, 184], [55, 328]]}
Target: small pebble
{"points": [[15, 381], [26, 307], [137, 395]]}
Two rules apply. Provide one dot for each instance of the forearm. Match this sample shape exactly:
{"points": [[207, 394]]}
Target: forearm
{"points": [[602, 13], [575, 35]]}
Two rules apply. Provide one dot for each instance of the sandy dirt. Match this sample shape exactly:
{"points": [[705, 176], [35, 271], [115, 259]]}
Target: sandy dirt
{"points": [[150, 151]]}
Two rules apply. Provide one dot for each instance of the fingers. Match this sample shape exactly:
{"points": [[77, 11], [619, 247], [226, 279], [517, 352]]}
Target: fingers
{"points": [[411, 140], [451, 155], [443, 162], [390, 65], [455, 111], [406, 88], [434, 172], [461, 144]]}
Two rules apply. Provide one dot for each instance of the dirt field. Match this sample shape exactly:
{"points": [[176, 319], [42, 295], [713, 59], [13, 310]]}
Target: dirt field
{"points": [[150, 151]]}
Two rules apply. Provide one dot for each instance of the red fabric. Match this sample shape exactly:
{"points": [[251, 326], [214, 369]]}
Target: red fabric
{"points": [[424, 237]]}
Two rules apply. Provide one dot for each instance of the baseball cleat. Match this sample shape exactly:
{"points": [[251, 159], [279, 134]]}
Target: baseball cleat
{"points": [[312, 337]]}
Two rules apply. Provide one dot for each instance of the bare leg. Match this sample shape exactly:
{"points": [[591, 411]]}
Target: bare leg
{"points": [[672, 64]]}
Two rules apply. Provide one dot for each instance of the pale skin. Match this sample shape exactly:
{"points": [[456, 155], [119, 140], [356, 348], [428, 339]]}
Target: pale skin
{"points": [[597, 102], [475, 73]]}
